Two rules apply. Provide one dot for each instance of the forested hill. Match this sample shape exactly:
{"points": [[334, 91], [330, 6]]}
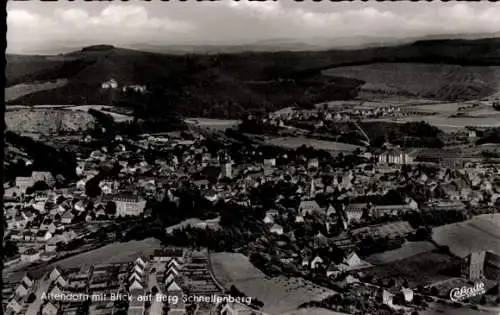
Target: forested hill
{"points": [[226, 85]]}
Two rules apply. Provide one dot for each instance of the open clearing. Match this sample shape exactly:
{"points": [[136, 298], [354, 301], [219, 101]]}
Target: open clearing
{"points": [[295, 142], [14, 92], [408, 250], [424, 268], [444, 82], [476, 234], [278, 294]]}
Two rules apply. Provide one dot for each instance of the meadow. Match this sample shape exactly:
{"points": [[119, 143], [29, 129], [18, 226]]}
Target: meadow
{"points": [[17, 91], [408, 250], [476, 234], [439, 82], [279, 294], [422, 269]]}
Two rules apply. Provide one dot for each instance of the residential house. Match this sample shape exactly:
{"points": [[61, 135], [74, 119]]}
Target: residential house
{"points": [[407, 295], [43, 236], [354, 211], [67, 217], [22, 183], [381, 210], [51, 245], [269, 163], [43, 177], [135, 285], [111, 84], [31, 255], [22, 290], [313, 163], [28, 280], [308, 207], [54, 274], [277, 229], [316, 262], [127, 205], [49, 309], [353, 262], [395, 157], [14, 306], [236, 309], [299, 219]]}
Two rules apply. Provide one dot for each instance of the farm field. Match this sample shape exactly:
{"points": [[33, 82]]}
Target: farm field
{"points": [[476, 234], [424, 268], [443, 82], [232, 267], [446, 123], [408, 250], [279, 294], [295, 142], [218, 124], [14, 92]]}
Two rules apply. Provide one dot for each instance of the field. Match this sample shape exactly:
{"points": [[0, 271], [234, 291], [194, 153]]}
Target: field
{"points": [[113, 253], [424, 268], [295, 142], [479, 233], [441, 82], [195, 222], [443, 309], [14, 92], [279, 294], [391, 230], [48, 121], [445, 122], [217, 124], [408, 250]]}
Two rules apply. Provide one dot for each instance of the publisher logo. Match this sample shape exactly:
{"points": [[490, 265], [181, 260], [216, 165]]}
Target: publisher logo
{"points": [[464, 293]]}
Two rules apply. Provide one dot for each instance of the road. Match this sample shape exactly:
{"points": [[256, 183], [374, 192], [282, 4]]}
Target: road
{"points": [[43, 287], [156, 304]]}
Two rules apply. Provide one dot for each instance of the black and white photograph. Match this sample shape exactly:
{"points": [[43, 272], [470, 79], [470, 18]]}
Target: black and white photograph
{"points": [[251, 158]]}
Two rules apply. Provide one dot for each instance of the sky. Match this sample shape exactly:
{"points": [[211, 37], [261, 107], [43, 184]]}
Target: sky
{"points": [[35, 26]]}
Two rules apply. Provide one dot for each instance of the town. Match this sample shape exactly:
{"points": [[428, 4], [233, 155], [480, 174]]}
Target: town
{"points": [[339, 221], [251, 158]]}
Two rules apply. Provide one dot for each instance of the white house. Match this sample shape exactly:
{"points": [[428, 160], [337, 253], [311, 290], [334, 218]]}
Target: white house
{"points": [[316, 262], [111, 84], [31, 255], [49, 309], [55, 274], [268, 219], [136, 285], [22, 290], [277, 229], [14, 306], [308, 207]]}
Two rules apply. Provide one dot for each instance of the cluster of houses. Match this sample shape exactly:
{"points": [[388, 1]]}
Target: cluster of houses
{"points": [[113, 84], [169, 275], [338, 114]]}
